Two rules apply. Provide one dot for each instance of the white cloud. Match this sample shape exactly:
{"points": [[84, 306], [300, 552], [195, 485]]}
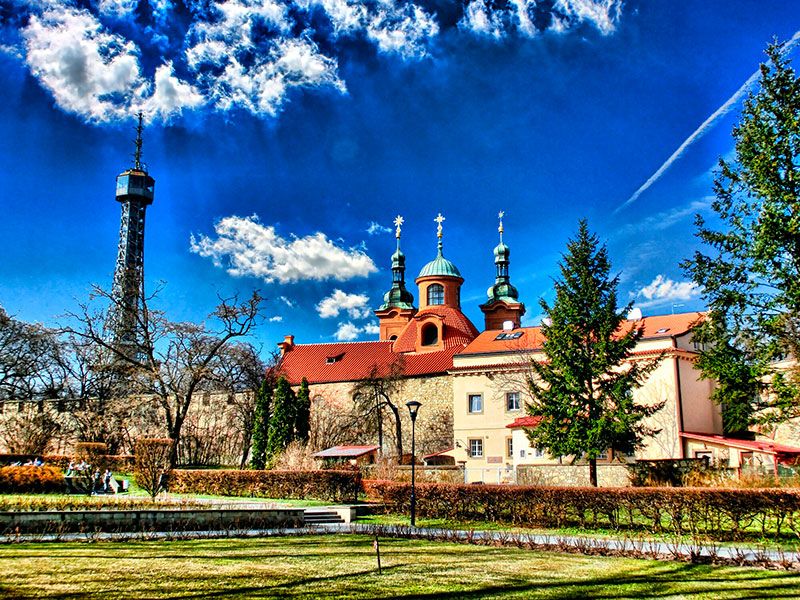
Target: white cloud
{"points": [[498, 20], [663, 290], [667, 218], [348, 331], [356, 305], [276, 319], [88, 70], [376, 228], [171, 94], [287, 301], [247, 248], [117, 8]]}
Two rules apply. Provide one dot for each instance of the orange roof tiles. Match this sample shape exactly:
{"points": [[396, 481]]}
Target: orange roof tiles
{"points": [[532, 338], [458, 329]]}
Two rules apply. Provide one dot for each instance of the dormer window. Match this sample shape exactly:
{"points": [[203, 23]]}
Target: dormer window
{"points": [[334, 359], [430, 334], [662, 330], [509, 336], [435, 294]]}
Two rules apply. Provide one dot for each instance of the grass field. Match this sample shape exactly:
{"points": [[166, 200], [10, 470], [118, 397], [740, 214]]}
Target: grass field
{"points": [[345, 567]]}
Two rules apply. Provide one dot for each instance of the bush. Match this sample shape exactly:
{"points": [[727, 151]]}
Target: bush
{"points": [[333, 486], [31, 480], [92, 453], [716, 512], [152, 464]]}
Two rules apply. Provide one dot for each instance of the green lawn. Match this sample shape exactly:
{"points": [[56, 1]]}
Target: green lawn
{"points": [[344, 567]]}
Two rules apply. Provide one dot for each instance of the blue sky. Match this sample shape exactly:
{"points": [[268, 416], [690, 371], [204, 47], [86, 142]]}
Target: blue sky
{"points": [[285, 135]]}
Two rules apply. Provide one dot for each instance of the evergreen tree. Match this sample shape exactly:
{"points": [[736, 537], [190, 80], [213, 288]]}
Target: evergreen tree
{"points": [[302, 424], [751, 279], [582, 391], [261, 422], [283, 419]]}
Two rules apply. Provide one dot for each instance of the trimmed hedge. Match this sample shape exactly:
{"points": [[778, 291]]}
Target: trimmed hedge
{"points": [[718, 512], [31, 480], [115, 462], [334, 486]]}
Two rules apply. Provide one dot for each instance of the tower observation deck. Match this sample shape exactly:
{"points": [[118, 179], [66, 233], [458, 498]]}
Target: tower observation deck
{"points": [[135, 190]]}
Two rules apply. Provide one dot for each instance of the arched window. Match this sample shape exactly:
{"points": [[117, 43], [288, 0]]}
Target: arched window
{"points": [[435, 294], [430, 334], [392, 338]]}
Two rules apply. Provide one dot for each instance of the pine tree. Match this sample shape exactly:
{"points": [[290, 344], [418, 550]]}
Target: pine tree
{"points": [[582, 391], [283, 419], [261, 421], [302, 424], [751, 279]]}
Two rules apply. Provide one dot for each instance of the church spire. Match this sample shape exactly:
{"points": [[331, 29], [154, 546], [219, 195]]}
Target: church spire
{"points": [[503, 303], [398, 296]]}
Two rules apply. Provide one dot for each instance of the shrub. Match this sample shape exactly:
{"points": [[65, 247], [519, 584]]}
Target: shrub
{"points": [[31, 480], [717, 512], [152, 464], [92, 453], [334, 486]]}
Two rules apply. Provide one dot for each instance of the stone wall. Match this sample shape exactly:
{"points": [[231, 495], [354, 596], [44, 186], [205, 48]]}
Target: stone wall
{"points": [[573, 475], [332, 402]]}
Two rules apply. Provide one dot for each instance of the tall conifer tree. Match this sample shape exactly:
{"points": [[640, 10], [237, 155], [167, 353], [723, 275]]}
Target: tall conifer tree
{"points": [[302, 424], [751, 277], [582, 391], [283, 419], [261, 421]]}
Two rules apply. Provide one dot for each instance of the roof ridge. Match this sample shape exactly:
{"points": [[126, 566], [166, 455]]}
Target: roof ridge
{"points": [[343, 342]]}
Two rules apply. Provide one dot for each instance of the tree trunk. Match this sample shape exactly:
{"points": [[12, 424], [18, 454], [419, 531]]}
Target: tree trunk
{"points": [[593, 472], [398, 431]]}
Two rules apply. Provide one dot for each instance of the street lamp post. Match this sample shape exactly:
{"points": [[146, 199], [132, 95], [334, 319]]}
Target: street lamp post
{"points": [[413, 408]]}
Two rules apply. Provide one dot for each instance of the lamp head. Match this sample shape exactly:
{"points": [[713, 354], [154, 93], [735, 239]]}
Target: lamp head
{"points": [[413, 408]]}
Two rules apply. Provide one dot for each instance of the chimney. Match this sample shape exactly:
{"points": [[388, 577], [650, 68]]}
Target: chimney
{"points": [[286, 345]]}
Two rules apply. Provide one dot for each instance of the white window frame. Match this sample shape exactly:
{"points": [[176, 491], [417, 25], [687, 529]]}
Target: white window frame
{"points": [[475, 447]]}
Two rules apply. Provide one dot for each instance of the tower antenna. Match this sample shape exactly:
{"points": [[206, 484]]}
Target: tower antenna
{"points": [[137, 158]]}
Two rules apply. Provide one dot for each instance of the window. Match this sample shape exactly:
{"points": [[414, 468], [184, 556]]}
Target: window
{"points": [[662, 330], [509, 336], [475, 403], [435, 294], [334, 359], [430, 335], [476, 448], [538, 453], [510, 447], [522, 453], [512, 401]]}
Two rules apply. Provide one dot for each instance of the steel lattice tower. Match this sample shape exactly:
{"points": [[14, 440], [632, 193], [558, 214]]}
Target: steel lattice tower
{"points": [[135, 192]]}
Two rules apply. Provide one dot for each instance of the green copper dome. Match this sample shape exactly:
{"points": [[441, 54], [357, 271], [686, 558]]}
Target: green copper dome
{"points": [[501, 250], [440, 267]]}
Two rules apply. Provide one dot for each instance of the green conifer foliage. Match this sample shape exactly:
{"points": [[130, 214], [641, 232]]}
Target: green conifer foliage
{"points": [[751, 277], [583, 390], [283, 419], [302, 426], [261, 422]]}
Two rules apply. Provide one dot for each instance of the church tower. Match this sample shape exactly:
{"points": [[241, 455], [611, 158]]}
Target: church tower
{"points": [[503, 305], [398, 303]]}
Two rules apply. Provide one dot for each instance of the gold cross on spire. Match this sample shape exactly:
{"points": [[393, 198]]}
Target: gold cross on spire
{"points": [[398, 221], [500, 216], [439, 220]]}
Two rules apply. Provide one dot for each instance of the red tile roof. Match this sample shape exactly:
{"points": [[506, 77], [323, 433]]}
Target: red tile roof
{"points": [[458, 329], [354, 361], [765, 446], [526, 421], [531, 339]]}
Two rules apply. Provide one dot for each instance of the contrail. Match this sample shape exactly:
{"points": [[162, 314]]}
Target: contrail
{"points": [[703, 129]]}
